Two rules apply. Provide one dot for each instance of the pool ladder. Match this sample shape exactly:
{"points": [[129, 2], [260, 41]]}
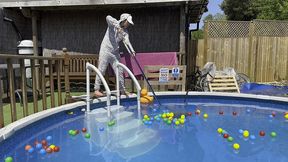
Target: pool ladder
{"points": [[90, 67]]}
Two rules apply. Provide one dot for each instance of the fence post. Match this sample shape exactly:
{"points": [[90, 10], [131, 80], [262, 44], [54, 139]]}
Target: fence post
{"points": [[1, 106], [24, 87], [250, 57], [12, 90], [66, 75], [206, 30]]}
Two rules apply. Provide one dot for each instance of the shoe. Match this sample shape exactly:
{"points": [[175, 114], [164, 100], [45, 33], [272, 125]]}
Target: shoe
{"points": [[98, 94]]}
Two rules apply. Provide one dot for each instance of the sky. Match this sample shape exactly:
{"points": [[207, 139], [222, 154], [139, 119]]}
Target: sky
{"points": [[213, 8]]}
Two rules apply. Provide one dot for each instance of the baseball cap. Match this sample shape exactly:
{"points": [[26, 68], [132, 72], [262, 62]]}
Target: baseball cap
{"points": [[126, 16]]}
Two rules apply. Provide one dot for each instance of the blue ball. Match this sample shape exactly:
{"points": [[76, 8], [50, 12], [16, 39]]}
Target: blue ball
{"points": [[271, 116], [146, 122], [151, 119], [42, 152], [101, 129], [252, 137], [248, 110], [150, 122], [154, 110], [39, 146], [240, 131], [31, 150], [48, 138]]}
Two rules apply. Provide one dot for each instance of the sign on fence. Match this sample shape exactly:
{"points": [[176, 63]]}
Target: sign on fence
{"points": [[163, 75]]}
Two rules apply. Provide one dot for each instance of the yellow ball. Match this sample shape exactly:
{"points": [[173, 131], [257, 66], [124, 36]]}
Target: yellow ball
{"points": [[167, 115], [182, 121], [220, 130], [236, 146], [177, 122], [146, 116], [286, 116], [163, 115], [172, 114], [205, 116], [170, 118], [52, 147], [246, 133], [182, 116]]}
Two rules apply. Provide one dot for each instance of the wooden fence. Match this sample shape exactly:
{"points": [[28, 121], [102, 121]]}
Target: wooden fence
{"points": [[258, 49], [39, 66]]}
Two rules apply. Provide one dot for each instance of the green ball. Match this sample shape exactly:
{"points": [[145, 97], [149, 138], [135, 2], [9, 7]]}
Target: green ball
{"points": [[87, 135], [9, 159], [74, 133], [230, 139], [169, 122], [71, 132], [273, 134]]}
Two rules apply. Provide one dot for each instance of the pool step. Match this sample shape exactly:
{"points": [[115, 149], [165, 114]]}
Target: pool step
{"points": [[119, 117], [101, 112]]}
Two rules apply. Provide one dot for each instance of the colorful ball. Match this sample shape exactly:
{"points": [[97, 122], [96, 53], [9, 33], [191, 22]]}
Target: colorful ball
{"points": [[56, 149], [31, 150], [252, 137], [49, 150], [248, 110], [286, 116], [220, 130], [221, 113], [273, 114], [101, 129], [197, 112], [240, 131], [177, 122], [163, 115], [39, 146], [52, 147], [189, 113], [182, 121], [42, 152], [84, 130], [182, 116], [48, 138], [71, 132], [87, 135], [205, 116], [234, 113], [169, 122], [28, 147], [9, 159], [236, 146], [230, 139], [225, 135], [273, 134], [246, 133], [146, 116], [262, 133]]}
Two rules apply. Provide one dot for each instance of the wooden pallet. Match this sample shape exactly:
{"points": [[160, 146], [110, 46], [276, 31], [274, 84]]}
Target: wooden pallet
{"points": [[224, 84]]}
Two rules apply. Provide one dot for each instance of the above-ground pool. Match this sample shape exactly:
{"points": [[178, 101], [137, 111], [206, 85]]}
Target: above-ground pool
{"points": [[207, 128]]}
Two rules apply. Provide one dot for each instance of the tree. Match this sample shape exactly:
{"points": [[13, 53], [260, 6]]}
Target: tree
{"points": [[200, 33], [246, 10], [238, 9]]}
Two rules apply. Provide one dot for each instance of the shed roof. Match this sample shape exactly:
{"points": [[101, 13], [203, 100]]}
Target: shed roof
{"points": [[43, 3]]}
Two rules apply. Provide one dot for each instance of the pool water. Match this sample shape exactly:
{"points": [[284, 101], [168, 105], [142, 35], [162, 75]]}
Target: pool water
{"points": [[129, 139]]}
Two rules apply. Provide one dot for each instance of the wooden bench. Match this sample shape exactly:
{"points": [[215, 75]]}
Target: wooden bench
{"points": [[224, 84], [176, 83]]}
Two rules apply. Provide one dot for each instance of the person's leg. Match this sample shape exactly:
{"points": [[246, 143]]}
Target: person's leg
{"points": [[102, 66], [121, 75]]}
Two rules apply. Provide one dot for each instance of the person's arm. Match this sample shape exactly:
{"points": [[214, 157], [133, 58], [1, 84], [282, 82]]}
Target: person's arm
{"points": [[112, 22], [126, 41]]}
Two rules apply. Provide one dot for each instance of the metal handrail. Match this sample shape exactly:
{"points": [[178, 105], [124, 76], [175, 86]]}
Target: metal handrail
{"points": [[108, 92], [138, 87]]}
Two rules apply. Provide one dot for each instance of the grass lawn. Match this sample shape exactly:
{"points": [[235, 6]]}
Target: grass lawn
{"points": [[19, 108]]}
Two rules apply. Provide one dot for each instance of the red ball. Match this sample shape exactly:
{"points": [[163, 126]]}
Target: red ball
{"points": [[84, 130], [49, 150], [262, 133], [56, 149], [44, 143], [189, 113], [225, 135], [273, 114], [221, 113], [234, 113]]}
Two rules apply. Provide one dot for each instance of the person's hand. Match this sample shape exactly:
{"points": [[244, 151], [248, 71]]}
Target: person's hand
{"points": [[134, 54]]}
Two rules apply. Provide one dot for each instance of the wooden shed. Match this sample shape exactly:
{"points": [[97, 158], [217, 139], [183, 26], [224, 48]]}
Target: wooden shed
{"points": [[79, 25]]}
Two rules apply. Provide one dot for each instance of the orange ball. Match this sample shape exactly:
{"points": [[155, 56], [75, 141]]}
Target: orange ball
{"points": [[27, 147], [49, 150], [56, 149]]}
